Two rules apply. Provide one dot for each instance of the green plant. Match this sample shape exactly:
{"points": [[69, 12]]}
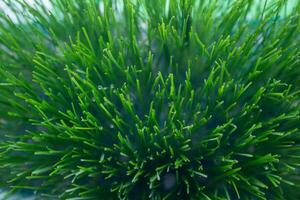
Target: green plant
{"points": [[140, 99]]}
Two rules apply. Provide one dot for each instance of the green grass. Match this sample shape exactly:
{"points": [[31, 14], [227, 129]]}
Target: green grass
{"points": [[180, 99]]}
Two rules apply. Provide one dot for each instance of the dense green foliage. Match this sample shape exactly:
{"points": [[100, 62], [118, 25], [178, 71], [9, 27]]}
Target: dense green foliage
{"points": [[180, 99]]}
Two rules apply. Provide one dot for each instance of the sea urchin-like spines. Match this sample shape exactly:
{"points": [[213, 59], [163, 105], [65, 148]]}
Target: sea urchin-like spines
{"points": [[139, 99]]}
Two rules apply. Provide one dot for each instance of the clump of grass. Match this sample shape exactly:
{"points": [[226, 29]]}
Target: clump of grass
{"points": [[179, 99]]}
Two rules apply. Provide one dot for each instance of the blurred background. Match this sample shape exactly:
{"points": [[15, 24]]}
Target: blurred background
{"points": [[27, 195]]}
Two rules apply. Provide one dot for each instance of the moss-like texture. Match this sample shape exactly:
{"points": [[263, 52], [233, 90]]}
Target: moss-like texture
{"points": [[140, 99]]}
